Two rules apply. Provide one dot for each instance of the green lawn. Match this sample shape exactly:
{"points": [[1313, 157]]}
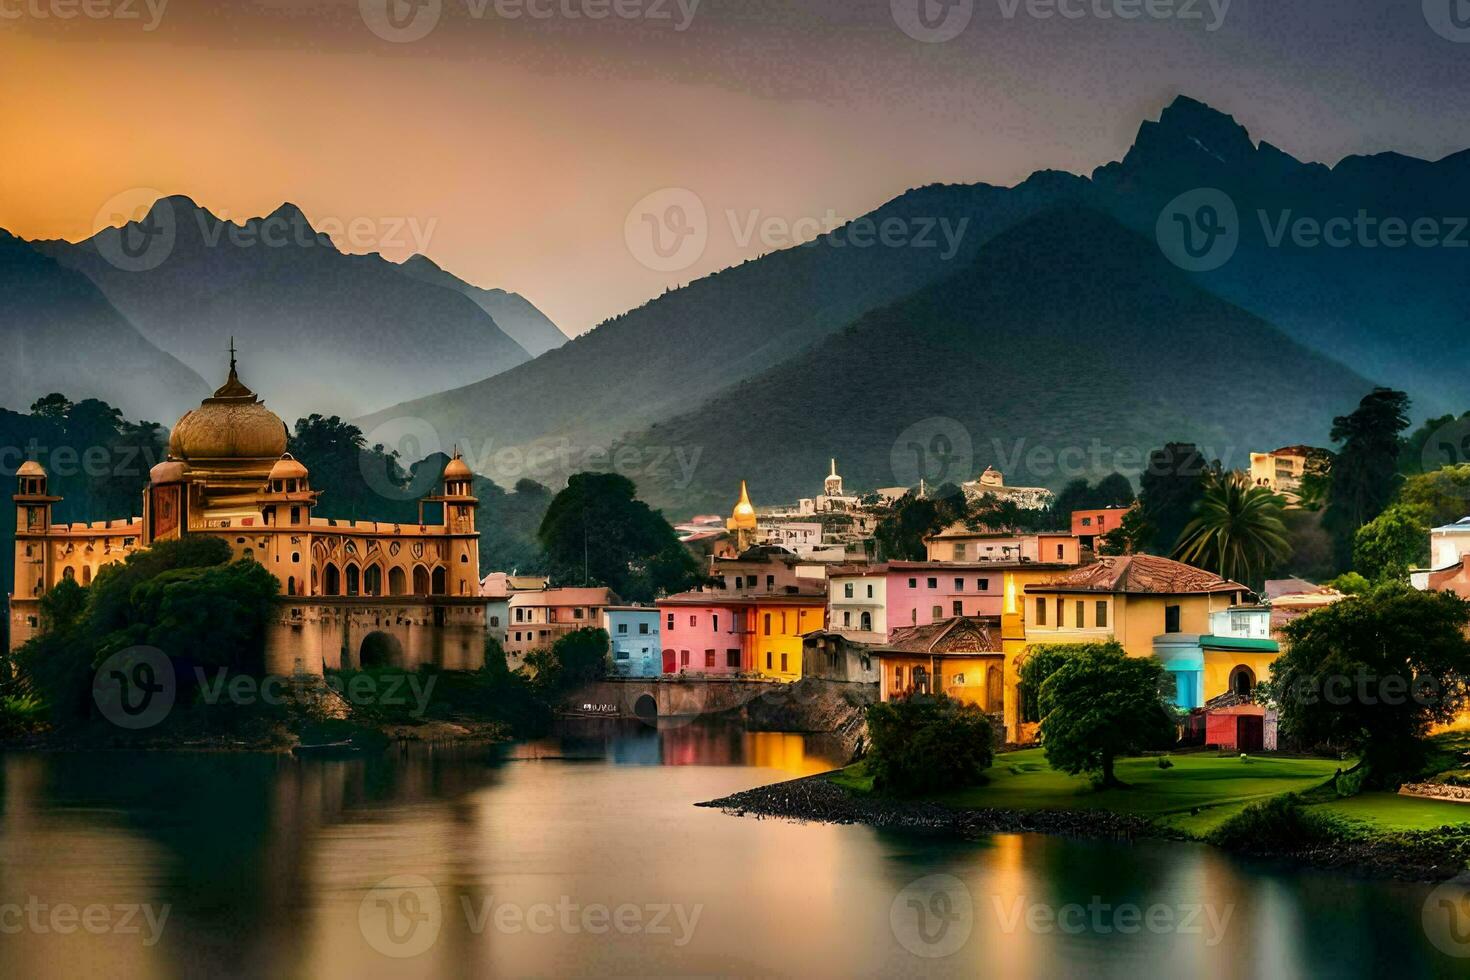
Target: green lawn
{"points": [[1389, 811], [1217, 787]]}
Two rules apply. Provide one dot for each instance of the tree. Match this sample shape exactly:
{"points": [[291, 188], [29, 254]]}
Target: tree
{"points": [[575, 659], [1365, 470], [596, 531], [1392, 543], [1170, 487], [928, 743], [1373, 674], [1237, 531], [1113, 490], [1040, 662], [367, 482], [900, 534], [1442, 494], [1130, 536], [1102, 704]]}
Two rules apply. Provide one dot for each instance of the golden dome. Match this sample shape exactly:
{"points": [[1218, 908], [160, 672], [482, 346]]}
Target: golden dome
{"points": [[742, 518], [234, 424], [30, 468], [457, 469]]}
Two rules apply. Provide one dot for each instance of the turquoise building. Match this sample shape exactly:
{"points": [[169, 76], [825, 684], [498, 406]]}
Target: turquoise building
{"points": [[633, 634]]}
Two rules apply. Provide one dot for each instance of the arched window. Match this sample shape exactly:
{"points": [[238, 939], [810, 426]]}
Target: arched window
{"points": [[397, 581], [420, 580], [1242, 681], [290, 584], [440, 579], [372, 580], [332, 580], [354, 584], [867, 622], [69, 574]]}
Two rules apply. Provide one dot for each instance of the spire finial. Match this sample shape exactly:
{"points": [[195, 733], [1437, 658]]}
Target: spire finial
{"points": [[834, 465], [232, 355]]}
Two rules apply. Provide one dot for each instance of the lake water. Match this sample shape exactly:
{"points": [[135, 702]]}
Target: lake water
{"points": [[582, 855]]}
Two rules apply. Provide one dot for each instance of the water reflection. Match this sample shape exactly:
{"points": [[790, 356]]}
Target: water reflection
{"points": [[266, 865]]}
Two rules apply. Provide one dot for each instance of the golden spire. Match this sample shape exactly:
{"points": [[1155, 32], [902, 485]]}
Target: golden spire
{"points": [[742, 518]]}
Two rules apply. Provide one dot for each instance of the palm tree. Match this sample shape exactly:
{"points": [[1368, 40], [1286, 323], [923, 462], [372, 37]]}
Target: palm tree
{"points": [[1237, 531]]}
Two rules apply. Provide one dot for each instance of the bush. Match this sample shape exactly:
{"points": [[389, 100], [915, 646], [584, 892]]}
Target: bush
{"points": [[1279, 824], [925, 744], [1351, 783]]}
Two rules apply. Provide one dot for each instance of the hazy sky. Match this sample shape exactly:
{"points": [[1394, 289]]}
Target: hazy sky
{"points": [[514, 141]]}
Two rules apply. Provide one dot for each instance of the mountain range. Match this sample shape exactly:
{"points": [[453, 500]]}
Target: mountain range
{"points": [[1065, 312], [710, 350], [319, 330], [62, 335]]}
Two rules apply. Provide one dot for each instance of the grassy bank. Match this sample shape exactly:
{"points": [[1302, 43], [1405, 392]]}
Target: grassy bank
{"points": [[1197, 793], [1273, 806]]}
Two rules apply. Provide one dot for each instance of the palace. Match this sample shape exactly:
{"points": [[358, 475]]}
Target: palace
{"points": [[351, 593]]}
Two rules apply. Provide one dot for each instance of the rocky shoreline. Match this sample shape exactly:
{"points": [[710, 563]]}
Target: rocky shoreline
{"points": [[1410, 857]]}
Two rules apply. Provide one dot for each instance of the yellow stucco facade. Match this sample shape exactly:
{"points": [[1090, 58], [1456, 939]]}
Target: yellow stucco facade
{"points": [[778, 627]]}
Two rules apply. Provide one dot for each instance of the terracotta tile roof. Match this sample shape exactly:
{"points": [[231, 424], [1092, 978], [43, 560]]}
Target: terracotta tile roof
{"points": [[960, 634], [1139, 574]]}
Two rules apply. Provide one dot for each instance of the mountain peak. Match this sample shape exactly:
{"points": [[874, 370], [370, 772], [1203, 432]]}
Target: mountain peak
{"points": [[1190, 134], [421, 262]]}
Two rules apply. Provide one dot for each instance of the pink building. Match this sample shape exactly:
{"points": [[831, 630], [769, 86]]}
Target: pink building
{"points": [[701, 634], [869, 602]]}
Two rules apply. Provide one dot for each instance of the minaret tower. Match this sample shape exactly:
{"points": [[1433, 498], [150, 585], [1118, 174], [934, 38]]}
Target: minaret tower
{"points": [[832, 486], [32, 551]]}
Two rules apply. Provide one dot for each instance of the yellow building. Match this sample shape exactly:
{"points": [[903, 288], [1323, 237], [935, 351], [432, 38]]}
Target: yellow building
{"points": [[777, 625], [1192, 620], [960, 657], [350, 592]]}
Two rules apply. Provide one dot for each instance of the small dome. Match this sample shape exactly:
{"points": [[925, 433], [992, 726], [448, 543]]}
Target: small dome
{"points": [[288, 468], [168, 471], [30, 468], [457, 469], [742, 518]]}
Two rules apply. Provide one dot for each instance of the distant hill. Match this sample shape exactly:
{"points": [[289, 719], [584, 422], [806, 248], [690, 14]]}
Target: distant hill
{"points": [[62, 335], [512, 312], [318, 329], [1394, 314], [1067, 332]]}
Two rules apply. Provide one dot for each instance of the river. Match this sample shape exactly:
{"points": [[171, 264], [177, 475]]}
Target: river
{"points": [[582, 855]]}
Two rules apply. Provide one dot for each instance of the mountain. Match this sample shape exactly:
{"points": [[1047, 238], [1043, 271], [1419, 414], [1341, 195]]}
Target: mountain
{"points": [[1394, 314], [1317, 253], [1069, 347], [62, 335], [512, 312], [319, 330], [674, 352]]}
